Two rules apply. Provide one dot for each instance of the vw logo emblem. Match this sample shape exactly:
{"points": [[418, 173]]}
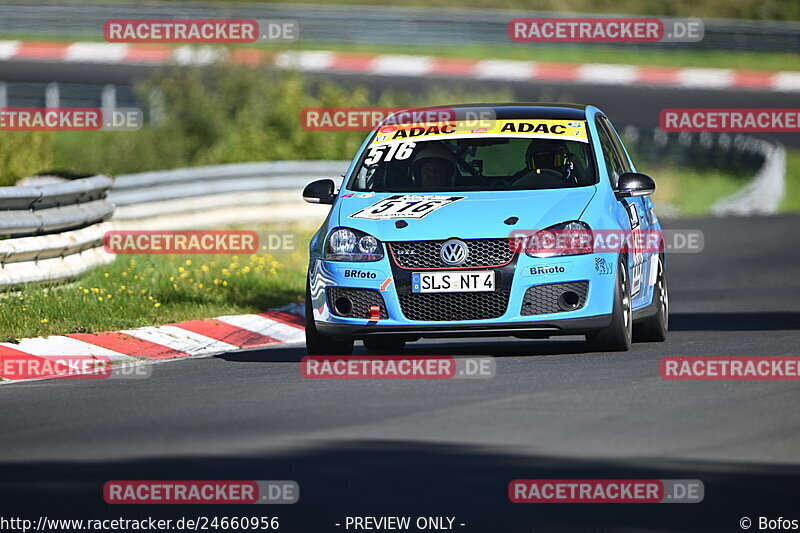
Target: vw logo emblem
{"points": [[454, 252]]}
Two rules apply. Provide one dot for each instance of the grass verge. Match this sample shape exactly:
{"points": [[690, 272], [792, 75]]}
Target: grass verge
{"points": [[146, 290], [693, 192], [791, 198]]}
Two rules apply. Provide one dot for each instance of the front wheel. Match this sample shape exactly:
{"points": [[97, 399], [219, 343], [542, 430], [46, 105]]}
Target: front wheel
{"points": [[316, 342], [654, 328], [617, 336]]}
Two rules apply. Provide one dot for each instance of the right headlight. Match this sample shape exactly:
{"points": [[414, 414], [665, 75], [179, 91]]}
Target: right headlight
{"points": [[346, 244]]}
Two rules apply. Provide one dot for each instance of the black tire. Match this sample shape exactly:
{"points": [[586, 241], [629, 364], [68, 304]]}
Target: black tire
{"points": [[654, 328], [617, 336], [385, 345], [316, 342]]}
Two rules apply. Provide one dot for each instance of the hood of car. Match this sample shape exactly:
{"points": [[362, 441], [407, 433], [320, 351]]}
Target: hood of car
{"points": [[466, 215]]}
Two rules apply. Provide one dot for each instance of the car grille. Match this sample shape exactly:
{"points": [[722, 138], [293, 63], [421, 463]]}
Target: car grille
{"points": [[454, 305], [543, 299], [361, 300], [425, 254]]}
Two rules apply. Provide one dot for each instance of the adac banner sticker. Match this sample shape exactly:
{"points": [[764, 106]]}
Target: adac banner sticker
{"points": [[569, 130]]}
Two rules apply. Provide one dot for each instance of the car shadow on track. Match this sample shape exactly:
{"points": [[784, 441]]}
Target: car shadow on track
{"points": [[764, 321], [396, 478], [500, 347]]}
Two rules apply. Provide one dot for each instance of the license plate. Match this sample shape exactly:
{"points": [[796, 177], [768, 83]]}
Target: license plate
{"points": [[460, 281]]}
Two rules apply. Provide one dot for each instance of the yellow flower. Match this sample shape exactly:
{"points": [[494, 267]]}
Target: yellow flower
{"points": [[122, 287], [188, 262], [105, 275], [224, 283], [181, 269], [100, 298], [157, 304], [172, 278], [43, 321], [124, 274], [204, 268], [85, 291], [200, 286]]}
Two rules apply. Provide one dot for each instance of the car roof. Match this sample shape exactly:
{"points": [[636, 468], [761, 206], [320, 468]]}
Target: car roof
{"points": [[553, 111]]}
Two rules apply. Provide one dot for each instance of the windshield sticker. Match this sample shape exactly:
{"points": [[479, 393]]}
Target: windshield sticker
{"points": [[405, 206], [529, 128], [395, 151]]}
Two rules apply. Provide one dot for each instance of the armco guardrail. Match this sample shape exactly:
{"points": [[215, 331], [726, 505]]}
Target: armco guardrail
{"points": [[220, 194], [367, 24], [53, 231]]}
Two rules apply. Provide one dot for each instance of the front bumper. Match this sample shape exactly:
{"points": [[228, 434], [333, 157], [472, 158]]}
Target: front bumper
{"points": [[529, 329], [599, 270]]}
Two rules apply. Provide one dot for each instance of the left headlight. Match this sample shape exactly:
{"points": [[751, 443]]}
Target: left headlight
{"points": [[346, 244], [568, 238]]}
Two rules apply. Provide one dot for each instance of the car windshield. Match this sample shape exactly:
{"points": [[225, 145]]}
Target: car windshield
{"points": [[485, 162]]}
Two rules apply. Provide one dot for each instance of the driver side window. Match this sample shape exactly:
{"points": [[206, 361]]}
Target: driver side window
{"points": [[614, 165]]}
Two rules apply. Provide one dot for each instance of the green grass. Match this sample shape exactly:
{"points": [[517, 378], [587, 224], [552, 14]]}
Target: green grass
{"points": [[693, 191], [791, 199], [143, 290]]}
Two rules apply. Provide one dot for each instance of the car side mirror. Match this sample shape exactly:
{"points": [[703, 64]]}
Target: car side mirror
{"points": [[320, 192], [634, 184]]}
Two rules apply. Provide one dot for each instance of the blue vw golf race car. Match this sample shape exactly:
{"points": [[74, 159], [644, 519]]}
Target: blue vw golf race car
{"points": [[424, 236]]}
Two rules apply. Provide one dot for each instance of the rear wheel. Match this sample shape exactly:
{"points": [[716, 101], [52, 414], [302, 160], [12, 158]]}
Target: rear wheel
{"points": [[654, 328], [616, 337], [384, 345], [316, 342]]}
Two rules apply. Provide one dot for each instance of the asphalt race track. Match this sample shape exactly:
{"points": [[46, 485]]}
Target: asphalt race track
{"points": [[451, 447]]}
